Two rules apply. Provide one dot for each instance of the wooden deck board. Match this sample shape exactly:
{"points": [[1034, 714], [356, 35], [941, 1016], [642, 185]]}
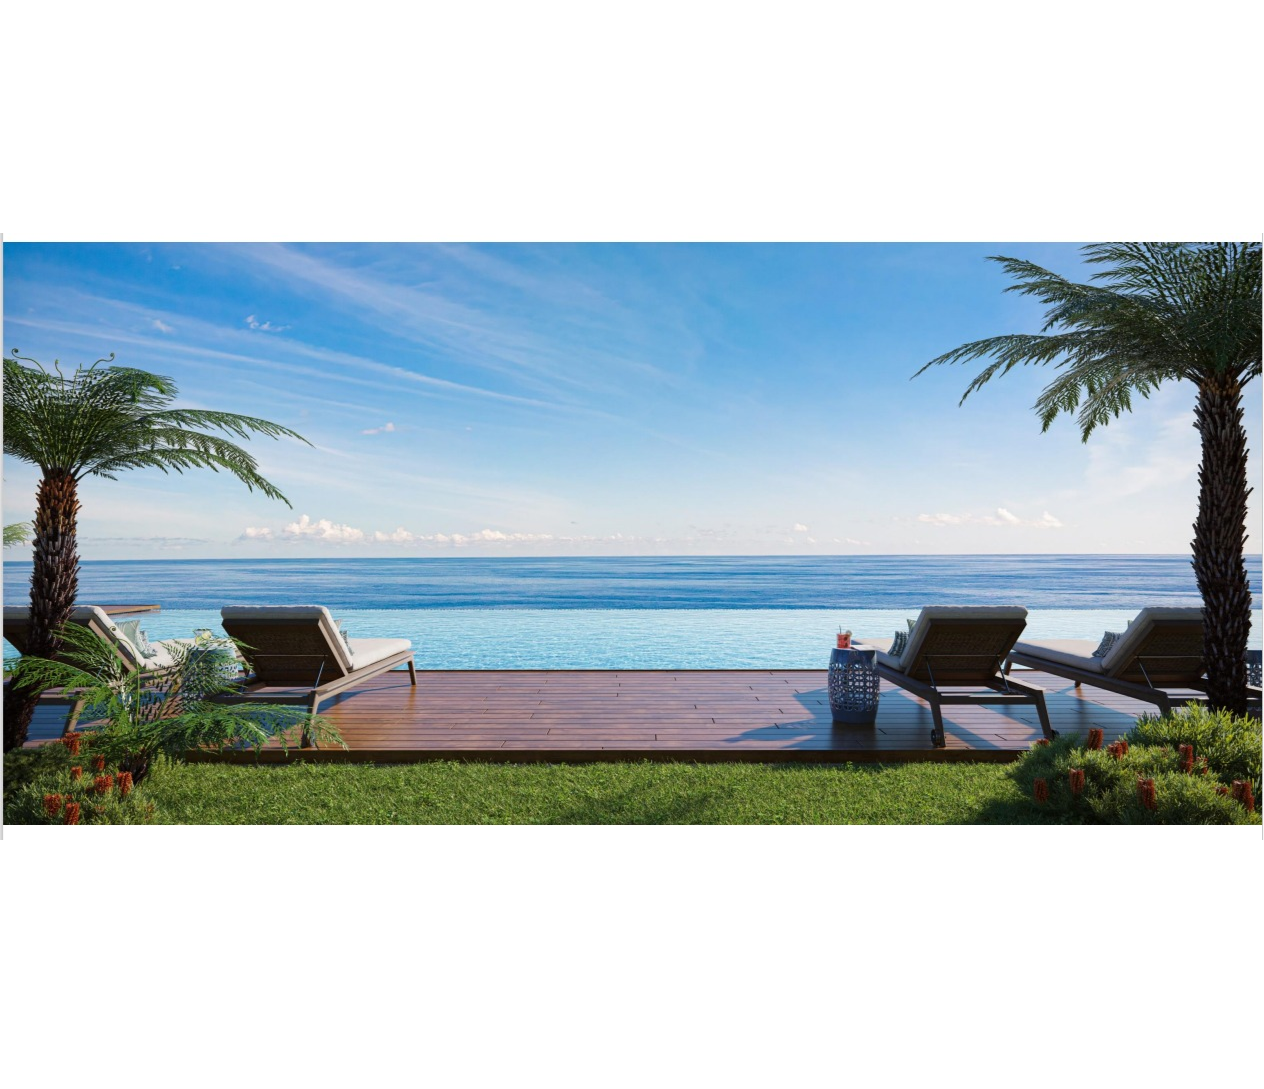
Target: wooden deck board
{"points": [[672, 715], [676, 715]]}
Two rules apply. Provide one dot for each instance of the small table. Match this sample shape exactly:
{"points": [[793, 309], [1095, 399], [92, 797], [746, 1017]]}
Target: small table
{"points": [[854, 686]]}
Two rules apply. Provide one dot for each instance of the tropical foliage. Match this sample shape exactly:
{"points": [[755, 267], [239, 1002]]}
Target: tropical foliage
{"points": [[1138, 780], [1156, 313], [16, 533], [135, 718], [1231, 744], [99, 421]]}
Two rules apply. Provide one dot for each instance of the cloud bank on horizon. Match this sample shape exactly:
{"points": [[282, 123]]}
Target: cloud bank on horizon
{"points": [[599, 399]]}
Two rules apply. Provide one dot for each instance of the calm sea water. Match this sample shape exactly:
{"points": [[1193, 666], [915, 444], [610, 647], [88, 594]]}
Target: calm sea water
{"points": [[643, 612]]}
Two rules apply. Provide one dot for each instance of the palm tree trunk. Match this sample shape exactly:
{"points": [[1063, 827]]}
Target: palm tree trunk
{"points": [[54, 583], [1220, 539]]}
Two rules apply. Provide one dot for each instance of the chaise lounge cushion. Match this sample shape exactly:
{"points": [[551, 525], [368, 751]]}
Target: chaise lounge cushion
{"points": [[364, 652], [883, 646], [86, 615], [1078, 653], [1071, 652]]}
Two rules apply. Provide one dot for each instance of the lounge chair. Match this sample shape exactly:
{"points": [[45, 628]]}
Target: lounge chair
{"points": [[1161, 650], [960, 647], [300, 646], [17, 628]]}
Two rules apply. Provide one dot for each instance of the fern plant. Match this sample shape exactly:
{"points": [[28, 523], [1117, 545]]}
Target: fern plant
{"points": [[137, 718]]}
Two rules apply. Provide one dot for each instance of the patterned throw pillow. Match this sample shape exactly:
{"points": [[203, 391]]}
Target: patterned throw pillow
{"points": [[130, 631], [343, 632], [901, 640], [1108, 641]]}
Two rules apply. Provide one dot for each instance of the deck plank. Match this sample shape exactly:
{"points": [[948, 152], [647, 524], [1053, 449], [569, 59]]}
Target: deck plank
{"points": [[676, 715]]}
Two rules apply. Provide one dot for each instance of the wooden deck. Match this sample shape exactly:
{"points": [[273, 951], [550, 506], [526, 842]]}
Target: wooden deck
{"points": [[669, 715]]}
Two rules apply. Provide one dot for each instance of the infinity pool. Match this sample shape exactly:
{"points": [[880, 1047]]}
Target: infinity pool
{"points": [[640, 638]]}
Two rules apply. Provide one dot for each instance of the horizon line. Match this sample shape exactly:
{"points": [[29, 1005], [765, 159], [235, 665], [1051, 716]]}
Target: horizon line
{"points": [[640, 556]]}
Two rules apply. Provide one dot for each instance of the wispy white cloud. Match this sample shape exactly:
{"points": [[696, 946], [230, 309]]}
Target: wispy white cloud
{"points": [[162, 326], [326, 531], [174, 544], [1127, 458], [265, 326], [799, 527], [385, 428], [345, 368], [491, 339], [1002, 517]]}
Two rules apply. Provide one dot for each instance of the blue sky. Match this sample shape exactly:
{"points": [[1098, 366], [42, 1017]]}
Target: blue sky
{"points": [[599, 399]]}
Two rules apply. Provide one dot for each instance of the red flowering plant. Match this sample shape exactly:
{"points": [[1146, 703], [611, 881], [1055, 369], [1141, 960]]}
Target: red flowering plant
{"points": [[1075, 779]]}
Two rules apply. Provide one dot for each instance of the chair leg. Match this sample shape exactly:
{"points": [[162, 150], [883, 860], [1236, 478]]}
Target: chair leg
{"points": [[1046, 727], [937, 736], [412, 672], [72, 719], [307, 742]]}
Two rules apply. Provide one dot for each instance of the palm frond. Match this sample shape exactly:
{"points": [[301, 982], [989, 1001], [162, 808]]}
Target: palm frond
{"points": [[241, 426], [102, 420], [16, 533], [1156, 312]]}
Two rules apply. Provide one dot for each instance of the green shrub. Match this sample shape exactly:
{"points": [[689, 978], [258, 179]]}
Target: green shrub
{"points": [[1110, 794], [1181, 798], [1230, 743], [33, 775]]}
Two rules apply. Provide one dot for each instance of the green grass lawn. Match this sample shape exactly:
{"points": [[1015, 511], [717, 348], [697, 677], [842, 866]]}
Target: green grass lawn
{"points": [[449, 792]]}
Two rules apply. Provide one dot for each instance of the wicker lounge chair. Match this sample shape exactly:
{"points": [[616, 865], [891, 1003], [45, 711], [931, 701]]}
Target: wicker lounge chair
{"points": [[1161, 650], [960, 647], [17, 627], [301, 647]]}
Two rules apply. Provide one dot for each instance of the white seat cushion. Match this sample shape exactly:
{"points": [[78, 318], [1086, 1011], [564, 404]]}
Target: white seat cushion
{"points": [[882, 646], [1077, 653], [364, 652]]}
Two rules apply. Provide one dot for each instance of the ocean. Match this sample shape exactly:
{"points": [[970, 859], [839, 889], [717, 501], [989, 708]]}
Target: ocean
{"points": [[766, 612]]}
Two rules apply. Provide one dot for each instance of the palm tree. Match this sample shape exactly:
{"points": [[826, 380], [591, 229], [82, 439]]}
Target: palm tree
{"points": [[1159, 312], [99, 421]]}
